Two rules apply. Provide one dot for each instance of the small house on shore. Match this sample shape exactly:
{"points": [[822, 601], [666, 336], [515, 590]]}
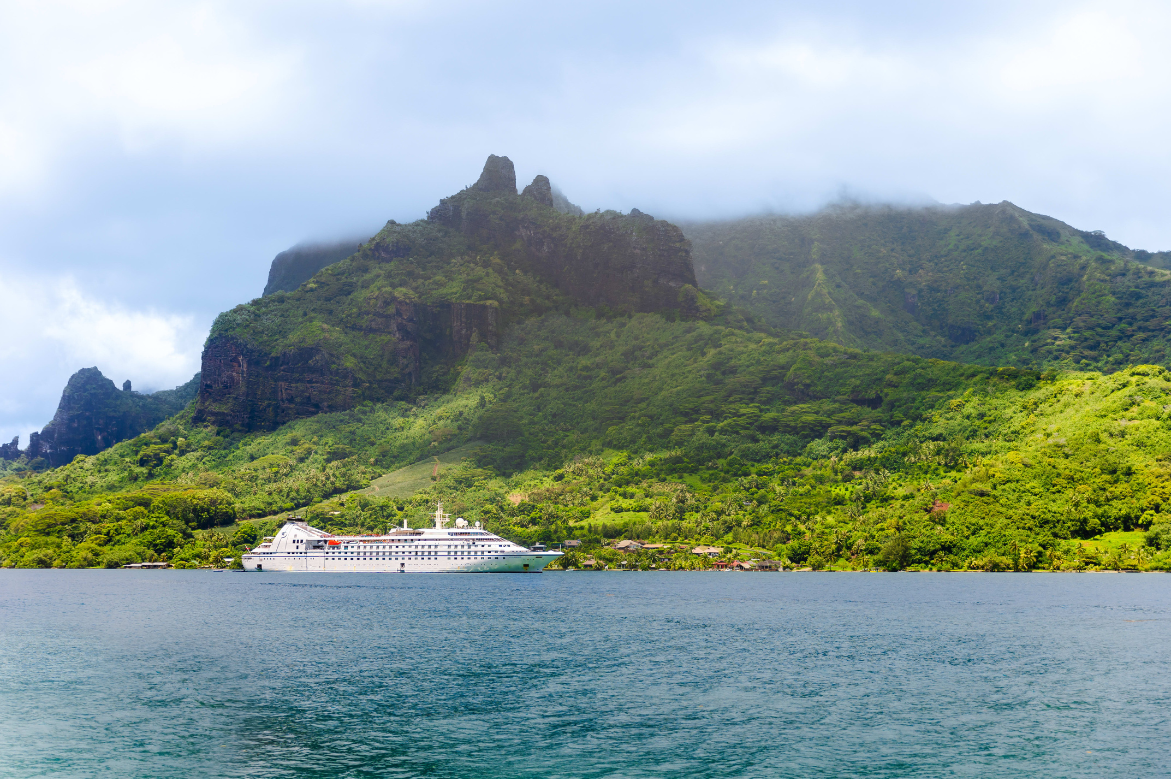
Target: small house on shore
{"points": [[736, 565], [710, 551]]}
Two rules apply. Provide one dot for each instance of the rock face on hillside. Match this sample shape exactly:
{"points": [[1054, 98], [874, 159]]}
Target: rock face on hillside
{"points": [[293, 267], [541, 191], [246, 388], [395, 318], [93, 415]]}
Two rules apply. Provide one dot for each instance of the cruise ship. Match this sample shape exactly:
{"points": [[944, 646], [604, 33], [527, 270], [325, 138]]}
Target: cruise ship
{"points": [[462, 548]]}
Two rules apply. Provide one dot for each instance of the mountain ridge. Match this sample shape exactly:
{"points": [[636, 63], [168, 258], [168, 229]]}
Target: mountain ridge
{"points": [[989, 284]]}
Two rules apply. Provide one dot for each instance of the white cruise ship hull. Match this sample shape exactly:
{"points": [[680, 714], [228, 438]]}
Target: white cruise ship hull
{"points": [[531, 562]]}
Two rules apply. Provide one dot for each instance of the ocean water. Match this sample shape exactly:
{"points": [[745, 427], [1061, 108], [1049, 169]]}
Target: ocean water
{"points": [[192, 674]]}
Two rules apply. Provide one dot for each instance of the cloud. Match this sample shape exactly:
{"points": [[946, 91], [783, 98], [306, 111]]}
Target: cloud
{"points": [[159, 154], [1084, 51], [52, 328], [150, 74]]}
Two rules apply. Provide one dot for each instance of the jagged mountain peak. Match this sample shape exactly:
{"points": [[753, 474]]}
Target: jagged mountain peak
{"points": [[540, 190], [498, 176]]}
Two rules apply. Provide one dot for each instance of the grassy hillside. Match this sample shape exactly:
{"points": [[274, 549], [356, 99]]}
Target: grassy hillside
{"points": [[1071, 474], [989, 284]]}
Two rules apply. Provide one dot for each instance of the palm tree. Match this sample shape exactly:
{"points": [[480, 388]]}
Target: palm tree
{"points": [[1140, 556], [1114, 560], [1124, 553]]}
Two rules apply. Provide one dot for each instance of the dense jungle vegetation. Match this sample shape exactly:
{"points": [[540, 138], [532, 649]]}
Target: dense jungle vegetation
{"points": [[679, 432], [988, 284]]}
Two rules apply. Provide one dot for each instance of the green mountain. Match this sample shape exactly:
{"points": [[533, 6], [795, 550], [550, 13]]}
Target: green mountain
{"points": [[668, 431], [577, 383], [989, 284]]}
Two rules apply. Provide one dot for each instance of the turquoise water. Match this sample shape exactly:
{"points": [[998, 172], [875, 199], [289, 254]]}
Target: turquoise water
{"points": [[187, 673]]}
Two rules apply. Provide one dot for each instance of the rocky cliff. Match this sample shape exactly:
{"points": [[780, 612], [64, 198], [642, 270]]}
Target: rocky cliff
{"points": [[395, 318], [93, 415], [249, 388]]}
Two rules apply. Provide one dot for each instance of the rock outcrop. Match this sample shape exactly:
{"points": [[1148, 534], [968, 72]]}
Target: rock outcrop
{"points": [[93, 415], [498, 176], [10, 451], [632, 263], [541, 191]]}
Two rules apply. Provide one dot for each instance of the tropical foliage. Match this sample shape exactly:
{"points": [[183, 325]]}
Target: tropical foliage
{"points": [[678, 432]]}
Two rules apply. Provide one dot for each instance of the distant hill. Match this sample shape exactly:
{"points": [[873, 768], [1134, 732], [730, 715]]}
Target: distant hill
{"points": [[293, 267], [990, 284], [93, 415]]}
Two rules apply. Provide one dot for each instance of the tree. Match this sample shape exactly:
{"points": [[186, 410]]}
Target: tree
{"points": [[246, 535], [198, 508], [895, 553]]}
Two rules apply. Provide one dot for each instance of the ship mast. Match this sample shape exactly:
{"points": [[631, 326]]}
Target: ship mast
{"points": [[441, 519]]}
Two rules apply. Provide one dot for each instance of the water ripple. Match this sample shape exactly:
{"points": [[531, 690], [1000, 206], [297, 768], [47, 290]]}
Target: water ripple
{"points": [[178, 674]]}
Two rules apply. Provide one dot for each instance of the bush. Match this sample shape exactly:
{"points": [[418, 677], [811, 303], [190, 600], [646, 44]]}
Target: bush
{"points": [[246, 535], [38, 558], [1159, 536], [895, 554], [198, 508], [84, 557]]}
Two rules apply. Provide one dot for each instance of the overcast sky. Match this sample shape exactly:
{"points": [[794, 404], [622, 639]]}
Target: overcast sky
{"points": [[155, 156]]}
